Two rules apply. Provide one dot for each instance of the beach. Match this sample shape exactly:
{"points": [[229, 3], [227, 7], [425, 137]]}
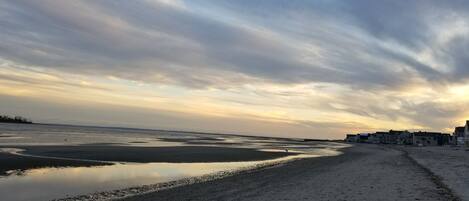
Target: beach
{"points": [[449, 164], [234, 100], [363, 172], [50, 162]]}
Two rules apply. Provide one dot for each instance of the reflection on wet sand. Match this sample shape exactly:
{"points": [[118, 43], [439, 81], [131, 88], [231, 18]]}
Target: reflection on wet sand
{"points": [[105, 159], [49, 183]]}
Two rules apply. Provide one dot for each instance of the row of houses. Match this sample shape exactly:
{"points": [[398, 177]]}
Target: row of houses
{"points": [[460, 137], [403, 137]]}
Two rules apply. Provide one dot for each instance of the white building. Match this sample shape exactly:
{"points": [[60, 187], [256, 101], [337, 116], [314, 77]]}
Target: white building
{"points": [[459, 134], [466, 134]]}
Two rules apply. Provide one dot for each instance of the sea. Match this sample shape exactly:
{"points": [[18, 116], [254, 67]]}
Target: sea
{"points": [[131, 178]]}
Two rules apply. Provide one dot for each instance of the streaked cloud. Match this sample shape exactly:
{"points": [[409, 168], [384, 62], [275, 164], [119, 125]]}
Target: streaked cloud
{"points": [[318, 66]]}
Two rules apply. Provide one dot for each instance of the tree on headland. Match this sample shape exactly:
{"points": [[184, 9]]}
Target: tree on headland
{"points": [[16, 119]]}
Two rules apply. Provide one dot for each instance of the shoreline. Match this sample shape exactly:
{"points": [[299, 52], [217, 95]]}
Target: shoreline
{"points": [[361, 173], [87, 156], [175, 131], [123, 194], [55, 162]]}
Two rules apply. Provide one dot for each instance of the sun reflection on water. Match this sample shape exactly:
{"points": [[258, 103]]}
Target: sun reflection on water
{"points": [[50, 183]]}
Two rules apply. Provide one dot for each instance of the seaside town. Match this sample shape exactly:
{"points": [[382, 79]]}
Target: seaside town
{"points": [[459, 137]]}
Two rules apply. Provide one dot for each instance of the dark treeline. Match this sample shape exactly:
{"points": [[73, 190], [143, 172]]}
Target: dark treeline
{"points": [[16, 119]]}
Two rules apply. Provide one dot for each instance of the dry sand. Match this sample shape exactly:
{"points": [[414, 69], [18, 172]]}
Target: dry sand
{"points": [[449, 164], [363, 172]]}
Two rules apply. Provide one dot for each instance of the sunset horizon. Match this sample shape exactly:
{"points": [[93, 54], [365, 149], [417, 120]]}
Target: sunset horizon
{"points": [[320, 70]]}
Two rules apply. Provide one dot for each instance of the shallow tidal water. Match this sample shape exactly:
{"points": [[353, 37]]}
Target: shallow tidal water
{"points": [[55, 183]]}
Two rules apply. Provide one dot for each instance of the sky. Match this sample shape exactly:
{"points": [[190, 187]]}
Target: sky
{"points": [[312, 69]]}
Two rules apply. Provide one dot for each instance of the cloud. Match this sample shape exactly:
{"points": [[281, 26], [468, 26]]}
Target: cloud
{"points": [[136, 41], [367, 55]]}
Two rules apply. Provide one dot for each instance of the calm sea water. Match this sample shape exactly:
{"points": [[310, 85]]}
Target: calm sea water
{"points": [[53, 183]]}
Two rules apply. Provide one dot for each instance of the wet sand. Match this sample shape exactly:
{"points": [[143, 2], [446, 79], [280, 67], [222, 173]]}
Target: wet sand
{"points": [[55, 156], [10, 162], [364, 172]]}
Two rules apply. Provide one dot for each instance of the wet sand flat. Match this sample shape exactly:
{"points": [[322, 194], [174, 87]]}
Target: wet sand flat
{"points": [[180, 154], [368, 172], [9, 162]]}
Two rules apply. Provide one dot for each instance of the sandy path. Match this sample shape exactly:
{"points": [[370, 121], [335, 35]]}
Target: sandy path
{"points": [[450, 164], [367, 172]]}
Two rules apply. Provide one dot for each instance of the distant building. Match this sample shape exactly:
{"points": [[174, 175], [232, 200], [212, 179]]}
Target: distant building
{"points": [[462, 135], [351, 138], [459, 134], [363, 137], [466, 134], [373, 138], [430, 138], [423, 139], [459, 131], [446, 139], [391, 137], [379, 137], [403, 137]]}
